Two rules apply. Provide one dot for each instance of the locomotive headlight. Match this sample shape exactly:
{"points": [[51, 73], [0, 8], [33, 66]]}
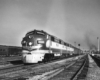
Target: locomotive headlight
{"points": [[30, 43]]}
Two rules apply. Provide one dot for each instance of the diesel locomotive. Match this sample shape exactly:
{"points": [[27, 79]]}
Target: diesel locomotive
{"points": [[38, 45]]}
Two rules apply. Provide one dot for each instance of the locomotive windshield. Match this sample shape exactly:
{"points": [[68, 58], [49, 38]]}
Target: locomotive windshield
{"points": [[35, 33], [30, 33], [40, 33]]}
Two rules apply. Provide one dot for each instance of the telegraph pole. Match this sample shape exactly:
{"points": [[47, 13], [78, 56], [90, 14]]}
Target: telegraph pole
{"points": [[98, 43], [79, 47]]}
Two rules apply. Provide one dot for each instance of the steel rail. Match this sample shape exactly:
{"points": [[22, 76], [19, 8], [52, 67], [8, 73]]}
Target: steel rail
{"points": [[79, 71]]}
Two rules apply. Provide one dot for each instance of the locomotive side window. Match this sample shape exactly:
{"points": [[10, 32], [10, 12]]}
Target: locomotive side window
{"points": [[48, 37], [64, 43], [60, 41], [52, 38]]}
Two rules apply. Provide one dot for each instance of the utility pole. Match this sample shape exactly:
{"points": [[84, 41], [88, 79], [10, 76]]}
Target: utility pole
{"points": [[98, 43], [79, 47]]}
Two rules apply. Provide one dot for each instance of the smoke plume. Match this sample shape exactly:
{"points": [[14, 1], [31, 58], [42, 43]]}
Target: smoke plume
{"points": [[90, 42]]}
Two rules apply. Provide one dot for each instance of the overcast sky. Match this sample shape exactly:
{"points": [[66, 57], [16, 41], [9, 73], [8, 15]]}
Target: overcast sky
{"points": [[71, 20]]}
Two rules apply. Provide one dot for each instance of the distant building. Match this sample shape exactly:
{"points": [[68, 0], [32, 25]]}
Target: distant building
{"points": [[10, 50], [3, 50]]}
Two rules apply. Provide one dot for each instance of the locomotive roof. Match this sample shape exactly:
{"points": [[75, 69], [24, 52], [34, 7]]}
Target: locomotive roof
{"points": [[33, 31]]}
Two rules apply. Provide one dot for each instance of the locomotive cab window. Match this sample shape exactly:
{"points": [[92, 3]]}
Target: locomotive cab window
{"points": [[64, 43], [30, 33], [60, 41], [48, 37], [40, 33]]}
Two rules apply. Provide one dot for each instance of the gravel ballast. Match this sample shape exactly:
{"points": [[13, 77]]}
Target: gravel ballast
{"points": [[93, 71]]}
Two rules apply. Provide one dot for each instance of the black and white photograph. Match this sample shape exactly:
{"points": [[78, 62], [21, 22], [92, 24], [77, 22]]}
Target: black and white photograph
{"points": [[49, 39]]}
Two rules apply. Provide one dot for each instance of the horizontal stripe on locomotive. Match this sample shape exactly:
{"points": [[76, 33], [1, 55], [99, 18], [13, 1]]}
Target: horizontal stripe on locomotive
{"points": [[55, 45], [30, 48], [60, 51], [36, 51], [46, 51]]}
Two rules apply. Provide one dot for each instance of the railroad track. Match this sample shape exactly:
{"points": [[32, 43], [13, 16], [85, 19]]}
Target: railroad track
{"points": [[76, 72], [4, 63], [96, 59], [66, 72], [9, 60], [22, 72]]}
